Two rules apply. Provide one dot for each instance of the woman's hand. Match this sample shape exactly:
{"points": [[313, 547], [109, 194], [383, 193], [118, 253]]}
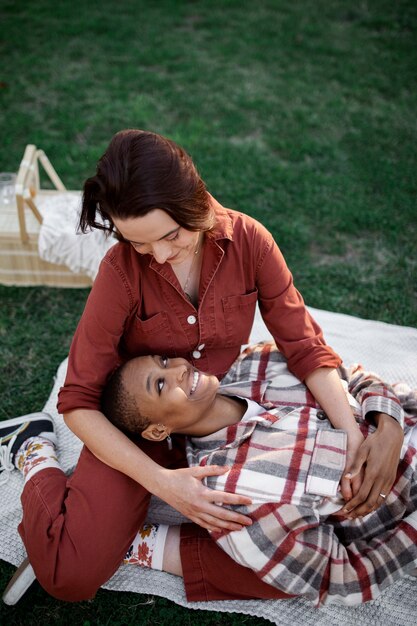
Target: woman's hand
{"points": [[183, 490], [378, 458], [351, 481]]}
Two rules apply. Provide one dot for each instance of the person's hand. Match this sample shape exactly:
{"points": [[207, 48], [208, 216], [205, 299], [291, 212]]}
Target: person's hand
{"points": [[378, 459], [183, 490], [351, 481]]}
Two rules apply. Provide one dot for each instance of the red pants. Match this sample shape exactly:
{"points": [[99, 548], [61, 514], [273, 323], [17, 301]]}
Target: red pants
{"points": [[77, 530]]}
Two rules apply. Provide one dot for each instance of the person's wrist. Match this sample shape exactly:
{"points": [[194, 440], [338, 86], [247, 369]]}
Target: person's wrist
{"points": [[354, 433], [383, 421], [157, 481]]}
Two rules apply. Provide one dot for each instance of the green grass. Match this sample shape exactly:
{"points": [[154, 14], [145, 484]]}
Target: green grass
{"points": [[299, 113]]}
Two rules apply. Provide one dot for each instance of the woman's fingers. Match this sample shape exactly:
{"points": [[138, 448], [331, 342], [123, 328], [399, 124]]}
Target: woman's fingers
{"points": [[363, 485], [369, 496], [224, 497], [355, 459], [184, 490], [214, 523], [225, 515], [226, 518], [346, 488], [367, 502], [209, 470], [220, 497], [381, 452]]}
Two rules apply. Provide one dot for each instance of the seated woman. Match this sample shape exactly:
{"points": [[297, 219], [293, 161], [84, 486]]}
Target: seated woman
{"points": [[283, 454]]}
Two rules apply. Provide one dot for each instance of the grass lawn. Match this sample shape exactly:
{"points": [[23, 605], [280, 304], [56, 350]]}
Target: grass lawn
{"points": [[302, 114]]}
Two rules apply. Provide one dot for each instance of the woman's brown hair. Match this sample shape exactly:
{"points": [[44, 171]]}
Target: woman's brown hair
{"points": [[141, 171]]}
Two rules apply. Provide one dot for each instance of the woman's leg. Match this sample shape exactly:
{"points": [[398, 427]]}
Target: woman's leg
{"points": [[77, 530], [210, 574]]}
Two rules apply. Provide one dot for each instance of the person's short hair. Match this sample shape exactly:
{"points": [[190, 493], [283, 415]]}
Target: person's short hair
{"points": [[120, 406], [142, 171]]}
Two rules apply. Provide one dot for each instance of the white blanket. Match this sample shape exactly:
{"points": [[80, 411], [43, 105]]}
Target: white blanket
{"points": [[387, 349]]}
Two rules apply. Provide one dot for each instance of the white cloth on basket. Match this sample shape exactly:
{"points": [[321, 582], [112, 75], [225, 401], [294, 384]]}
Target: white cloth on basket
{"points": [[59, 241]]}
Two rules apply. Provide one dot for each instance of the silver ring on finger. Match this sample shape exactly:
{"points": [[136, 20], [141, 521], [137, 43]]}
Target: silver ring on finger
{"points": [[383, 495]]}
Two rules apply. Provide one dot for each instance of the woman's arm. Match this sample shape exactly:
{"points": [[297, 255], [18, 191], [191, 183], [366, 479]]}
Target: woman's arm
{"points": [[381, 406], [182, 488], [381, 468], [324, 383], [368, 472]]}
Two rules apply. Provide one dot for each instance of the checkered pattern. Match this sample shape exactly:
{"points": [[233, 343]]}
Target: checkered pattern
{"points": [[289, 461]]}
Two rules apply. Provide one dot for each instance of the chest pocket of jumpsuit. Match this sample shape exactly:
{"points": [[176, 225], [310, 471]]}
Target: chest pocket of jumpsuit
{"points": [[239, 312], [152, 335]]}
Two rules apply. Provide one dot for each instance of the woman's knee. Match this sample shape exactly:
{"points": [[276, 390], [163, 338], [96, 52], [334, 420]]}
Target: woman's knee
{"points": [[73, 584]]}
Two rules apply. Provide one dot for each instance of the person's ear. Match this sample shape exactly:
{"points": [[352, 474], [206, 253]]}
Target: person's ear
{"points": [[155, 432]]}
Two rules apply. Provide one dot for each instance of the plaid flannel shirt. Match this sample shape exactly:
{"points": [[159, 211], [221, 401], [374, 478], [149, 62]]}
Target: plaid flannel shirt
{"points": [[289, 461]]}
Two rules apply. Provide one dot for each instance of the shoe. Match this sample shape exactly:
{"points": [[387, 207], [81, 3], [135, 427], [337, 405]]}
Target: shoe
{"points": [[23, 577], [15, 431]]}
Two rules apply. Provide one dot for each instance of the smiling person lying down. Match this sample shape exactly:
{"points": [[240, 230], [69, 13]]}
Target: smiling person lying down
{"points": [[264, 424]]}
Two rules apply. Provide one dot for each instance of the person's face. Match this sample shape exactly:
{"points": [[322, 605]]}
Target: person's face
{"points": [[171, 391], [156, 233]]}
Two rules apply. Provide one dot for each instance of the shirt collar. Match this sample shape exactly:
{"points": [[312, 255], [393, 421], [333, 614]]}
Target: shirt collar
{"points": [[223, 228], [232, 436], [251, 389]]}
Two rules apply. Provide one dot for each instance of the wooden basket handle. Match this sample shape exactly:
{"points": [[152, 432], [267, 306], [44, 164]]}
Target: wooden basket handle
{"points": [[29, 173]]}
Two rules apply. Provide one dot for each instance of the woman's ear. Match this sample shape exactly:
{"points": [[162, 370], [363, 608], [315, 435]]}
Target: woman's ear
{"points": [[155, 432]]}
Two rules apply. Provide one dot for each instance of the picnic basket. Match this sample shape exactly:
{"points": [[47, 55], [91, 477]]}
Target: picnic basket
{"points": [[20, 222]]}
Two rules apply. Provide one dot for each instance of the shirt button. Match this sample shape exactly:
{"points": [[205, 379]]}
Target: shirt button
{"points": [[191, 319], [203, 345], [321, 415], [196, 354]]}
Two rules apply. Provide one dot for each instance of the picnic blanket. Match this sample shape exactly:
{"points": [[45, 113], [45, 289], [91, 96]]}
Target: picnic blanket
{"points": [[389, 350]]}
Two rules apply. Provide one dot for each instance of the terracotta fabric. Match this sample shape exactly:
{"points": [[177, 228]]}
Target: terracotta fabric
{"points": [[210, 574], [137, 307]]}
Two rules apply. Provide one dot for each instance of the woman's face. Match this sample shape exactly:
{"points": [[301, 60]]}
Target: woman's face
{"points": [[171, 391], [156, 233]]}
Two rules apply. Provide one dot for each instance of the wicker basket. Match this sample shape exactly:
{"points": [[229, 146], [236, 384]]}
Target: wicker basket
{"points": [[20, 263]]}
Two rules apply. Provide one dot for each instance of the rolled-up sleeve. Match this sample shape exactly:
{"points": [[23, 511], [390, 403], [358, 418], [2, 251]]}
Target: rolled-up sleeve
{"points": [[94, 349]]}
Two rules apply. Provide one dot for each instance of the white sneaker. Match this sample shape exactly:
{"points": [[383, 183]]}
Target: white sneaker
{"points": [[23, 577]]}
